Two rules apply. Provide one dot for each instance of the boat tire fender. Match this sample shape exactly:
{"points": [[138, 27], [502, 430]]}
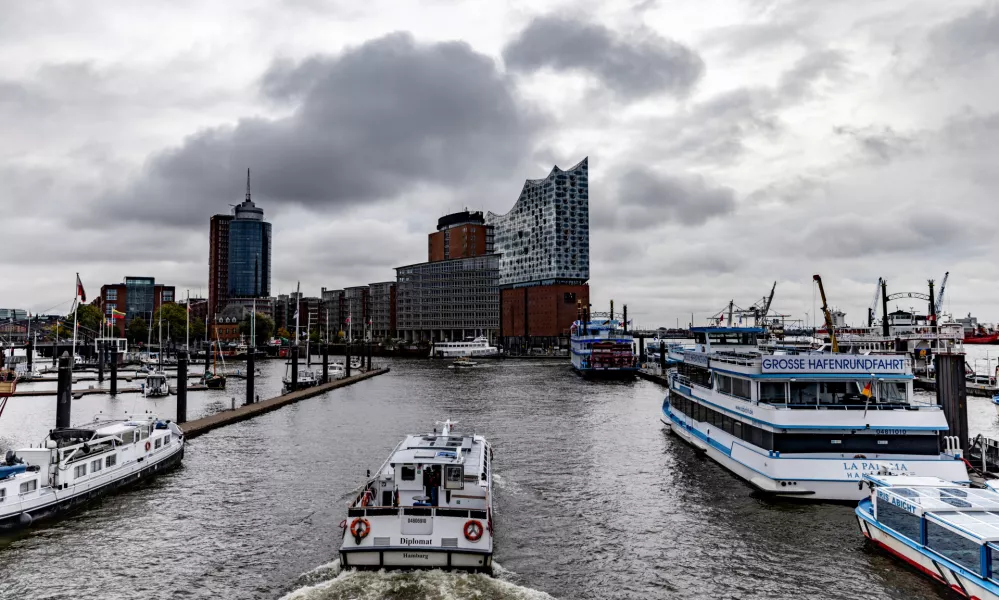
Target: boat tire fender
{"points": [[359, 528], [148, 445], [473, 530]]}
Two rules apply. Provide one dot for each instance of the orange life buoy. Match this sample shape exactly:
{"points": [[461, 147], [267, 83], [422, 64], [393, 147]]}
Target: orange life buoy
{"points": [[148, 445], [360, 528], [473, 530]]}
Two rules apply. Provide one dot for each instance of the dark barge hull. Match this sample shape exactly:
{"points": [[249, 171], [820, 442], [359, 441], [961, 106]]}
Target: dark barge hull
{"points": [[607, 374], [26, 518]]}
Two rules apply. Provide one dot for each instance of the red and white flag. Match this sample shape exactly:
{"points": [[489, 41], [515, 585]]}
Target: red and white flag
{"points": [[82, 295]]}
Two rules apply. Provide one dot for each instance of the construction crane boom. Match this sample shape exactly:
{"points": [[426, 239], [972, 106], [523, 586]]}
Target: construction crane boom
{"points": [[766, 305], [940, 294], [872, 310], [827, 314]]}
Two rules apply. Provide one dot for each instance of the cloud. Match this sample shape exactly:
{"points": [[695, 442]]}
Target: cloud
{"points": [[882, 144], [968, 39], [647, 199], [372, 124], [633, 66]]}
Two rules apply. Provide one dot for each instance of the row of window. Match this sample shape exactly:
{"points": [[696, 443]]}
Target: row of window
{"points": [[95, 466], [24, 488], [806, 443]]}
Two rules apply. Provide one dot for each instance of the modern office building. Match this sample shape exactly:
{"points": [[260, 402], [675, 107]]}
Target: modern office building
{"points": [[137, 297], [332, 312], [448, 299], [16, 314], [239, 254], [356, 304], [544, 265], [460, 235], [381, 307]]}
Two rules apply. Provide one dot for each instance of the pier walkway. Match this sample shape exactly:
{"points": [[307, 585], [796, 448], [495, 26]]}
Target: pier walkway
{"points": [[195, 428]]}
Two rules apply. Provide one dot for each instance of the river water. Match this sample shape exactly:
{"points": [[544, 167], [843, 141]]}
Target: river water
{"points": [[593, 499]]}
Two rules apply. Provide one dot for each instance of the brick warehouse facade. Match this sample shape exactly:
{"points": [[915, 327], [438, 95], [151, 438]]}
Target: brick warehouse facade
{"points": [[540, 311], [460, 235]]}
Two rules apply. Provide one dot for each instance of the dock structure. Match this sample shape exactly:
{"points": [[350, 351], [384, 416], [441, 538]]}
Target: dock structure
{"points": [[197, 427]]}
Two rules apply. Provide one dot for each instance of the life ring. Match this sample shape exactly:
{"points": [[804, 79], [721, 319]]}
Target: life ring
{"points": [[148, 445], [360, 528], [473, 530]]}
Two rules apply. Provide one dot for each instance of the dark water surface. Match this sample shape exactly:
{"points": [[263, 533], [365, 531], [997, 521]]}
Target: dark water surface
{"points": [[593, 500]]}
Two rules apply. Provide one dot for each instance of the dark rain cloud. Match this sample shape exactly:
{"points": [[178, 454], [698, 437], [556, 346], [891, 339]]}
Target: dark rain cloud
{"points": [[374, 123], [632, 66]]}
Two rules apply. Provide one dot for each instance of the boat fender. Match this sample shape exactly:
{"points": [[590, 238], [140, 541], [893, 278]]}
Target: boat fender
{"points": [[148, 445], [86, 448], [473, 530], [26, 519], [360, 528]]}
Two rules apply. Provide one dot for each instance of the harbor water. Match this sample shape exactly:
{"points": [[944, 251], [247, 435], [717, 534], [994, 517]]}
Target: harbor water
{"points": [[594, 499]]}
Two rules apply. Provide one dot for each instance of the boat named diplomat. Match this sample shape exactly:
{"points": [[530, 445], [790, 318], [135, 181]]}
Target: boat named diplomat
{"points": [[601, 348], [428, 506], [76, 464], [808, 424], [947, 532]]}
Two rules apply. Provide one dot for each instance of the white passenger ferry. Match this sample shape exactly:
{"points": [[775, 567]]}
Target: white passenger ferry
{"points": [[428, 506], [808, 425], [477, 348], [948, 532], [76, 464]]}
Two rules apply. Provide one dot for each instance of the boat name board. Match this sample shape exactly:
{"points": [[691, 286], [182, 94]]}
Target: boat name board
{"points": [[404, 541], [856, 470], [825, 364], [700, 360], [895, 501]]}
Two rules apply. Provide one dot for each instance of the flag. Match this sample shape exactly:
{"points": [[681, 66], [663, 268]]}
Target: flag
{"points": [[867, 391], [117, 314], [348, 319], [79, 289]]}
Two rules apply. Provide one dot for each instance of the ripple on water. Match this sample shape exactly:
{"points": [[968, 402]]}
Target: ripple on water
{"points": [[329, 582]]}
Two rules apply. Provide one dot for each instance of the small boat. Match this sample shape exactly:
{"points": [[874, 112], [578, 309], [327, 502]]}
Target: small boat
{"points": [[76, 464], [602, 348], [337, 371], [944, 530], [428, 506], [155, 385], [478, 347], [214, 380], [306, 379], [462, 362]]}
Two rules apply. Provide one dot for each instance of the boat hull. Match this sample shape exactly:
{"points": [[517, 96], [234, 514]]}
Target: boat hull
{"points": [[25, 518], [991, 338], [394, 557], [606, 374], [943, 572]]}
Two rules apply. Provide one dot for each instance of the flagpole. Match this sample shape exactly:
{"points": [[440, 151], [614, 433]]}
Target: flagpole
{"points": [[253, 325], [298, 307], [187, 344]]}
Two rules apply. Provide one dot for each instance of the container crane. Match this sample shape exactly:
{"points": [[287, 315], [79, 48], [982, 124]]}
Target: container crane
{"points": [[827, 314], [940, 294], [872, 310]]}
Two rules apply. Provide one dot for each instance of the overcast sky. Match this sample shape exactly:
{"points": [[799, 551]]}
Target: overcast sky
{"points": [[732, 143]]}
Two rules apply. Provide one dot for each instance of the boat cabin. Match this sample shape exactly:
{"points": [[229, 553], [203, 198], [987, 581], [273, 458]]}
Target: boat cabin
{"points": [[735, 339]]}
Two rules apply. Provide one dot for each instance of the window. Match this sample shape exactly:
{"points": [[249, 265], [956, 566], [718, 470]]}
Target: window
{"points": [[859, 443], [29, 486], [159, 443], [109, 307], [3, 495], [80, 470], [96, 465], [891, 391], [166, 439], [900, 520], [111, 461], [408, 473], [111, 294], [804, 392], [773, 392], [957, 548]]}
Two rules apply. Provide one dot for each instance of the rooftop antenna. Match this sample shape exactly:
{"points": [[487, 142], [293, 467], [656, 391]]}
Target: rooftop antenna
{"points": [[247, 184]]}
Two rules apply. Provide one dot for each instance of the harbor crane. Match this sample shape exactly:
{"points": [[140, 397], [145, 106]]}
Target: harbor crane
{"points": [[872, 310], [827, 314], [940, 294]]}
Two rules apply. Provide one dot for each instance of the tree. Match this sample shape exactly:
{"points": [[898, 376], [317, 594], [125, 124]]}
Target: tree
{"points": [[174, 318], [263, 328], [138, 331], [284, 333], [89, 318]]}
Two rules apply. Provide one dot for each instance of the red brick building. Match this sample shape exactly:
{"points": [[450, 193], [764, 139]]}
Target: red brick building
{"points": [[225, 329], [540, 311], [137, 297], [218, 264], [460, 235]]}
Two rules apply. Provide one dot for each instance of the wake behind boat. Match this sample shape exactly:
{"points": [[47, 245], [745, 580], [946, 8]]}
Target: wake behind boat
{"points": [[428, 506], [76, 464]]}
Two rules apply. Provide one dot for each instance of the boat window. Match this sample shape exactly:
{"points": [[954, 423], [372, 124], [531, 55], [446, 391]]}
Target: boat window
{"points": [[96, 465], [3, 495], [850, 444], [128, 437], [901, 521], [29, 486], [408, 473], [166, 439], [80, 471], [804, 392], [159, 442], [891, 391], [993, 559], [774, 392], [841, 392], [957, 548], [110, 461]]}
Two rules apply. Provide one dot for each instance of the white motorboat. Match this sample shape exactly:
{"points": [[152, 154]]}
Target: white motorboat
{"points": [[155, 385], [475, 348], [463, 362], [306, 379], [807, 425], [428, 506], [337, 371], [76, 464]]}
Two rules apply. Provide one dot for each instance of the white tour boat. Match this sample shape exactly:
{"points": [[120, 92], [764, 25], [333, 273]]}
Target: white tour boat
{"points": [[155, 385], [948, 532], [428, 506], [807, 424], [75, 464], [476, 348]]}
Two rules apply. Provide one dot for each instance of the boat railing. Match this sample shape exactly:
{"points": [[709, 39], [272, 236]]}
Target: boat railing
{"points": [[423, 511], [914, 405], [744, 361]]}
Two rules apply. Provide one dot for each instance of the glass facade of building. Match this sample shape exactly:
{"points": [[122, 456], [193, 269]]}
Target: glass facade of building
{"points": [[249, 258], [545, 238], [140, 294], [448, 299]]}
